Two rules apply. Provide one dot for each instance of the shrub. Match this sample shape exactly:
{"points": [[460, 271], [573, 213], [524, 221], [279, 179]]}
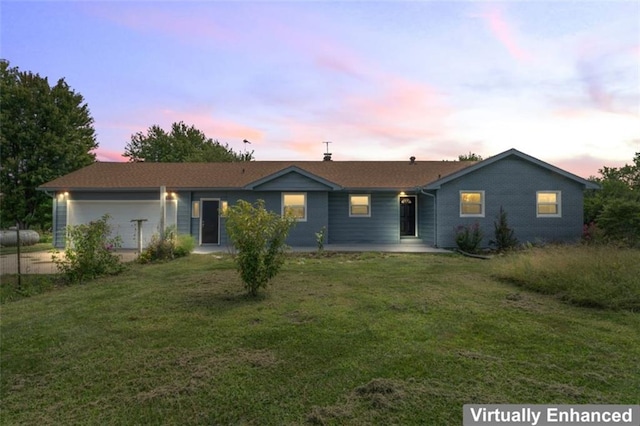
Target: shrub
{"points": [[592, 234], [468, 238], [320, 237], [89, 252], [259, 237], [172, 246], [504, 235], [620, 221]]}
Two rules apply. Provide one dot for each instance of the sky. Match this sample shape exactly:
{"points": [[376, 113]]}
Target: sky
{"points": [[381, 80]]}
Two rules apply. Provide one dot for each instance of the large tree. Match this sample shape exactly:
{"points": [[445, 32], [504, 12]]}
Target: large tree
{"points": [[615, 208], [45, 132], [182, 144]]}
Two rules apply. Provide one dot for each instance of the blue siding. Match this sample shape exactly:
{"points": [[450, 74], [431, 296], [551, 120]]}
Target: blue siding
{"points": [[382, 227], [303, 234], [292, 181], [512, 183], [183, 220], [426, 217]]}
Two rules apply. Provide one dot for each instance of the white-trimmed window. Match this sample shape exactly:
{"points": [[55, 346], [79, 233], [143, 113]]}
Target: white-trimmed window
{"points": [[360, 205], [472, 203], [296, 203], [548, 204], [195, 209]]}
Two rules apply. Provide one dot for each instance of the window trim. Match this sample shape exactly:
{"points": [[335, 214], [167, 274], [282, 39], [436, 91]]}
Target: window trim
{"points": [[482, 203], [368, 214], [304, 194], [558, 204]]}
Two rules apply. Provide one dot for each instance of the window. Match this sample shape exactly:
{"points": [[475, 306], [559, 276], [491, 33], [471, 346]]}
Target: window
{"points": [[359, 205], [296, 203], [472, 203], [195, 209], [548, 204]]}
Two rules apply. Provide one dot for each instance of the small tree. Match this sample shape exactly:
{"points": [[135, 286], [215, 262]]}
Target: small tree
{"points": [[90, 252], [504, 235], [259, 237], [172, 246], [471, 156], [468, 238]]}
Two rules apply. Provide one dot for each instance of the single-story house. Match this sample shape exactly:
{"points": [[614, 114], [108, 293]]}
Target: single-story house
{"points": [[355, 201]]}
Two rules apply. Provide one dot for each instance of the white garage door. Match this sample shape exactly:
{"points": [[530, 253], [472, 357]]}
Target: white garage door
{"points": [[122, 212]]}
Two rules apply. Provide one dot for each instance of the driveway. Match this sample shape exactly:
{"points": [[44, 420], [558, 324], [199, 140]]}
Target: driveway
{"points": [[40, 262]]}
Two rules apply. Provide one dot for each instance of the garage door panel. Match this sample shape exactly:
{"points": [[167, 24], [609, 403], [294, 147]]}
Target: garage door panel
{"points": [[121, 214]]}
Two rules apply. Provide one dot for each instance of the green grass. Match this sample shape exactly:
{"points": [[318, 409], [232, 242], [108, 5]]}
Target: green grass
{"points": [[27, 249], [597, 276], [32, 284], [343, 339]]}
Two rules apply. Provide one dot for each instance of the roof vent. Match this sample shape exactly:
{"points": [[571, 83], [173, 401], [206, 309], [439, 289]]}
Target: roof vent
{"points": [[412, 159]]}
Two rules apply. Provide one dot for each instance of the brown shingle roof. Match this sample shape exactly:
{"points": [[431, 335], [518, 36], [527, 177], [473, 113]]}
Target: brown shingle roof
{"points": [[346, 174]]}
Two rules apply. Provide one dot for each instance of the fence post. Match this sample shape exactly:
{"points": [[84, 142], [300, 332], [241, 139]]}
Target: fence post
{"points": [[18, 254]]}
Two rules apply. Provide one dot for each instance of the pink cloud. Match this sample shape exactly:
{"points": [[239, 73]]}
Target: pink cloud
{"points": [[585, 165], [502, 29], [105, 154], [399, 110]]}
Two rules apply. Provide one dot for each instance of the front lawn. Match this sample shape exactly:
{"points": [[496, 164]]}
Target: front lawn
{"points": [[343, 339]]}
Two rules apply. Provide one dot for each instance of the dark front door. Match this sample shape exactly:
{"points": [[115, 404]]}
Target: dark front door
{"points": [[210, 222], [407, 216]]}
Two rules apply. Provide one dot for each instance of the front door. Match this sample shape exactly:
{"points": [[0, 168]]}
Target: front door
{"points": [[210, 222], [408, 216]]}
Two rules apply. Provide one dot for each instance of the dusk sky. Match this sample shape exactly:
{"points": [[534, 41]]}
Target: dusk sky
{"points": [[381, 80]]}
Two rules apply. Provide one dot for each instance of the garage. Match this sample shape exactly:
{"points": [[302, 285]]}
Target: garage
{"points": [[121, 214]]}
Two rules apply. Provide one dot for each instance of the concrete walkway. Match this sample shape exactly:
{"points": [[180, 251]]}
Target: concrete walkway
{"points": [[383, 248], [41, 263]]}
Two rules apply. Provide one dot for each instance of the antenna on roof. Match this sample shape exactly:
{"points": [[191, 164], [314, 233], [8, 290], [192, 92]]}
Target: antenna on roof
{"points": [[327, 154], [245, 156]]}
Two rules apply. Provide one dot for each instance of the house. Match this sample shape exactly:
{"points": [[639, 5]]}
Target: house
{"points": [[355, 201]]}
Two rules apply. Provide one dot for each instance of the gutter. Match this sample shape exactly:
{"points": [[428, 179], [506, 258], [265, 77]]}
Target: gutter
{"points": [[435, 216]]}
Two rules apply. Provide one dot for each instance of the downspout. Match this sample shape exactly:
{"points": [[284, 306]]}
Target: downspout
{"points": [[435, 216], [54, 215]]}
